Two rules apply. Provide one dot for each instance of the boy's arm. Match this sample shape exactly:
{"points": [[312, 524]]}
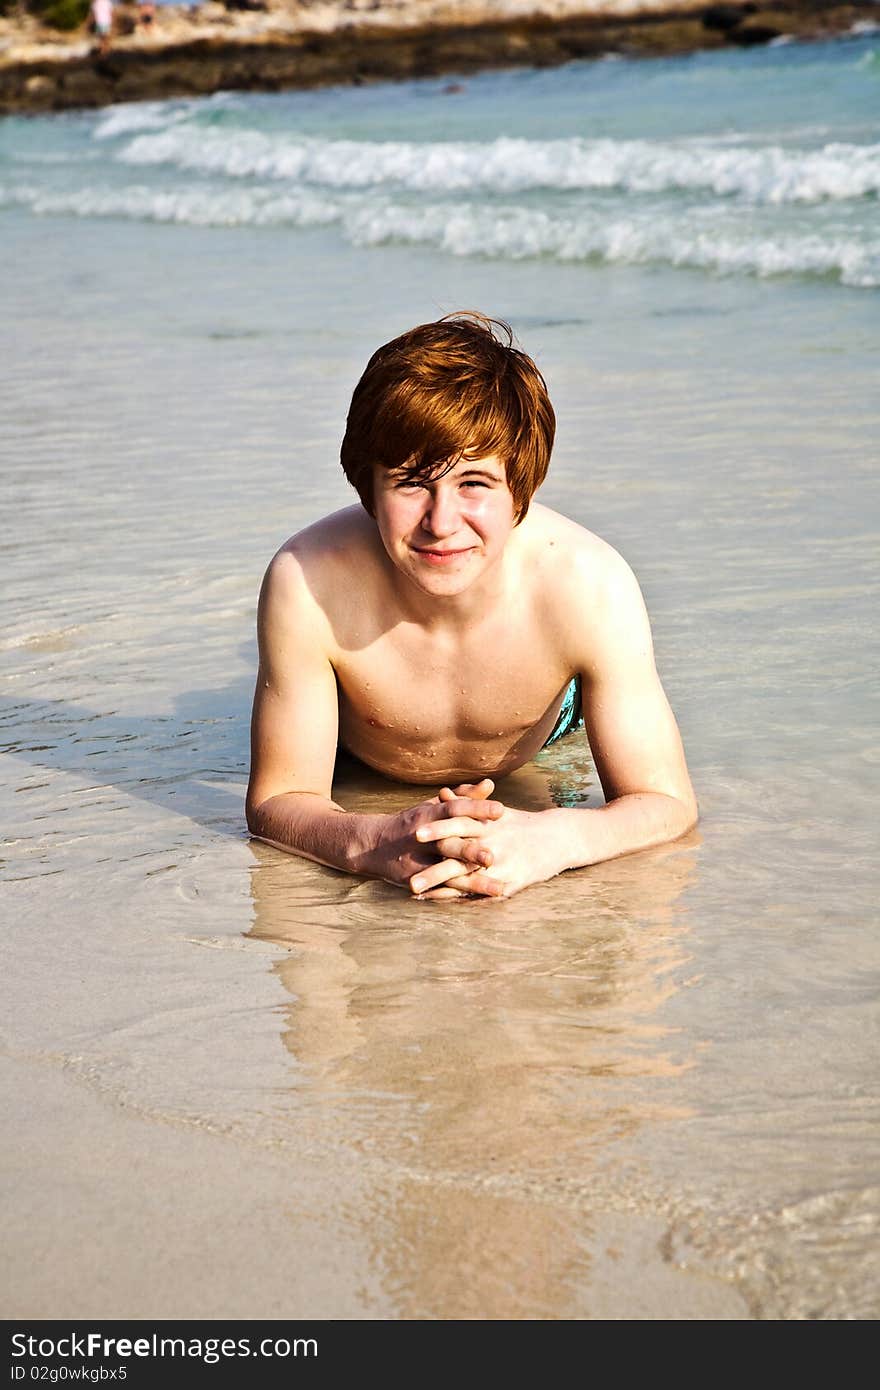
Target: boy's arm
{"points": [[294, 731], [295, 713], [632, 732]]}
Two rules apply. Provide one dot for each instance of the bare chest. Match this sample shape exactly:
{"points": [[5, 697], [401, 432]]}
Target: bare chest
{"points": [[428, 712]]}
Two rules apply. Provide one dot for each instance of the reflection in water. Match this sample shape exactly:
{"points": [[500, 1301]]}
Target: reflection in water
{"points": [[490, 1053]]}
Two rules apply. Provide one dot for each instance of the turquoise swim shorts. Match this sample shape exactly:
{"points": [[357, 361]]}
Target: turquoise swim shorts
{"points": [[571, 713]]}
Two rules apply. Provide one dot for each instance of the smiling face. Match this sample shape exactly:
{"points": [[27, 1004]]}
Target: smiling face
{"points": [[445, 533]]}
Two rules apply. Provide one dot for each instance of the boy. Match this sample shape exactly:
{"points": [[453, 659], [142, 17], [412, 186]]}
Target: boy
{"points": [[445, 630]]}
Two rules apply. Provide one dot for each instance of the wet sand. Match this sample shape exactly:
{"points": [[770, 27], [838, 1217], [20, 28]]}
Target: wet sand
{"points": [[220, 1229]]}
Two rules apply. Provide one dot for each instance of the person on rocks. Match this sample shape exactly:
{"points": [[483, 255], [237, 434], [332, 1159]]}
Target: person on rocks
{"points": [[101, 12]]}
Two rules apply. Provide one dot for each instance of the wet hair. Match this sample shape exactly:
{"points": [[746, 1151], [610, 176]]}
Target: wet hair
{"points": [[445, 391]]}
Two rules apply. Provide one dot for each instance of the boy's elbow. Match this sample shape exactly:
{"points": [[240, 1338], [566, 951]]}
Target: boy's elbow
{"points": [[253, 806], [262, 813], [262, 790], [690, 812]]}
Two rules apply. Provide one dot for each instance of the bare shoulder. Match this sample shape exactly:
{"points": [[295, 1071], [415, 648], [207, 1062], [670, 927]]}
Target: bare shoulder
{"points": [[310, 575], [329, 546], [580, 574], [587, 596]]}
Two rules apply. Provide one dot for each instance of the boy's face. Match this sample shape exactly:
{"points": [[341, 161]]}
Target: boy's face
{"points": [[444, 534]]}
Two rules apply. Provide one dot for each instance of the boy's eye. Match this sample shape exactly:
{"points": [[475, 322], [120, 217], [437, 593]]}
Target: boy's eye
{"points": [[474, 482]]}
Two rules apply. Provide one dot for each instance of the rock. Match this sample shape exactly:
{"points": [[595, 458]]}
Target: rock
{"points": [[750, 34], [726, 17], [38, 85], [281, 44]]}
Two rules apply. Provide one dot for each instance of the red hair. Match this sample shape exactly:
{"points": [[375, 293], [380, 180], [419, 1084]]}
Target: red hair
{"points": [[444, 391]]}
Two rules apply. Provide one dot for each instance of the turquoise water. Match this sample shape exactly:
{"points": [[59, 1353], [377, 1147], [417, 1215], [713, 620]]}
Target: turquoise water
{"points": [[763, 163], [685, 1038]]}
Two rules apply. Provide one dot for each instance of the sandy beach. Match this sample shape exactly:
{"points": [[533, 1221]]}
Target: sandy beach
{"points": [[220, 1229], [282, 44]]}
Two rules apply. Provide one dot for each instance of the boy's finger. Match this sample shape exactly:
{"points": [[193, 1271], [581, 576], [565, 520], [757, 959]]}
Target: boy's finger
{"points": [[470, 851], [443, 829], [477, 791], [481, 810], [435, 874], [481, 884]]}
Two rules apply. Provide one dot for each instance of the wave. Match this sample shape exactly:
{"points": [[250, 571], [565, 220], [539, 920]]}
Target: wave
{"points": [[699, 238], [195, 207], [699, 243], [763, 175], [130, 118]]}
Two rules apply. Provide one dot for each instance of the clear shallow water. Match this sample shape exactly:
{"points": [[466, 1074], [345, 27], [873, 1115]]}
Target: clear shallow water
{"points": [[686, 1036]]}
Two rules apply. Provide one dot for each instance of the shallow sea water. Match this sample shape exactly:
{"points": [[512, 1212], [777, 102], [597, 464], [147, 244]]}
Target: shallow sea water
{"points": [[686, 1036]]}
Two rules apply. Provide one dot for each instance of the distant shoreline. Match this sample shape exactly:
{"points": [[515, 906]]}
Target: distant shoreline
{"points": [[195, 54]]}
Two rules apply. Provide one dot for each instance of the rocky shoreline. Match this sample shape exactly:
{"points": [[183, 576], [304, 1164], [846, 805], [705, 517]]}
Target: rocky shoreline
{"points": [[276, 44]]}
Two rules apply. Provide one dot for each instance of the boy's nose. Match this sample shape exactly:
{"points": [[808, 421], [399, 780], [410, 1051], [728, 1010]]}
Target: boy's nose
{"points": [[442, 514]]}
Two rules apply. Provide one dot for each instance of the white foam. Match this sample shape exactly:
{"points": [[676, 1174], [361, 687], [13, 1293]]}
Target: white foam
{"points": [[519, 234], [135, 117], [708, 239], [123, 120], [198, 207], [770, 175]]}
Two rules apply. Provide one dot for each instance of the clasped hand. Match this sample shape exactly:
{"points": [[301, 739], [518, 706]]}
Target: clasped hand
{"points": [[461, 834]]}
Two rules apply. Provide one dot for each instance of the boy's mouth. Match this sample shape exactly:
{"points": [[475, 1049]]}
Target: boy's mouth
{"points": [[435, 556]]}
